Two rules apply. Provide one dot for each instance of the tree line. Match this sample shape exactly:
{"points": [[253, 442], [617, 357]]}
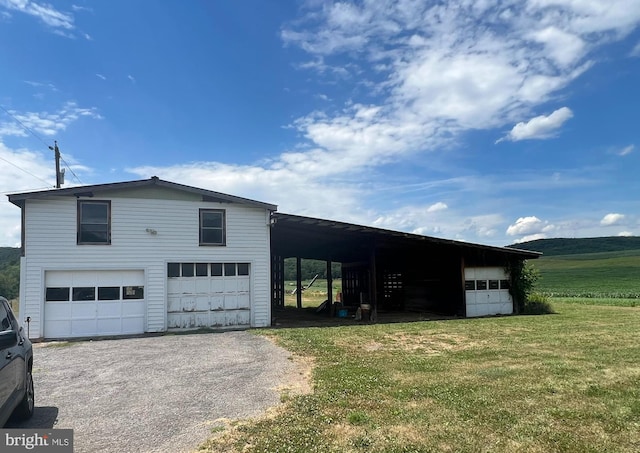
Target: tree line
{"points": [[9, 272], [309, 269]]}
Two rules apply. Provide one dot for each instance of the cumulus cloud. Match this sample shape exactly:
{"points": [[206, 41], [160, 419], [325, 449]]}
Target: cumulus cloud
{"points": [[439, 206], [539, 127], [625, 234], [612, 219], [529, 226], [530, 237]]}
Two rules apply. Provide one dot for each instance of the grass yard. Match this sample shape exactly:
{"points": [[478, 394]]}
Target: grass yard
{"points": [[566, 382]]}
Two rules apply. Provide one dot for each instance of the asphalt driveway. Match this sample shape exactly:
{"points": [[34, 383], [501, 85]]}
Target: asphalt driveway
{"points": [[155, 394]]}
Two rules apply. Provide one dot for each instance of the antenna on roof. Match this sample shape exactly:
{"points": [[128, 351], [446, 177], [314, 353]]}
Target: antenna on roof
{"points": [[59, 174]]}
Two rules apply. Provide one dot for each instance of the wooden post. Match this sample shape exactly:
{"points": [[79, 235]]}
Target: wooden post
{"points": [[373, 285], [330, 289], [464, 291], [298, 282]]}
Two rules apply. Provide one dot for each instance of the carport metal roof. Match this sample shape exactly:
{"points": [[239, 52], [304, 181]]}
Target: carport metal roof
{"points": [[330, 240]]}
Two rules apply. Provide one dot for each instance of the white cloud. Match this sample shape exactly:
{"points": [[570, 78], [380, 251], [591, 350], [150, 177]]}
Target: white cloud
{"points": [[530, 237], [45, 123], [45, 12], [635, 52], [612, 219], [439, 206], [529, 226], [100, 76], [539, 127], [625, 234], [131, 78], [22, 169], [445, 69], [626, 150], [564, 48]]}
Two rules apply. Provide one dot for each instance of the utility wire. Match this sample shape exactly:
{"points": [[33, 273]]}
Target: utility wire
{"points": [[41, 140], [67, 165], [29, 173], [24, 125]]}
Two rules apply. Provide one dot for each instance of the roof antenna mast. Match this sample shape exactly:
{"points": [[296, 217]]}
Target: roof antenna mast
{"points": [[59, 174]]}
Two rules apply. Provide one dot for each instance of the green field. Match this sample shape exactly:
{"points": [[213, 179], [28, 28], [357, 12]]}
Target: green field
{"points": [[591, 275], [568, 382]]}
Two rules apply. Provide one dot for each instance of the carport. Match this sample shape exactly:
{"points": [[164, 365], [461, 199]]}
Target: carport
{"points": [[390, 270]]}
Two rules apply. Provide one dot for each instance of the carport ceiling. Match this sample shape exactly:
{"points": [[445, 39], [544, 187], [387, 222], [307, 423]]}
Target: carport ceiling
{"points": [[329, 240]]}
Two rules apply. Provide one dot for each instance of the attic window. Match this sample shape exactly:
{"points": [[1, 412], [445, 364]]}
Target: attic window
{"points": [[212, 227], [94, 222]]}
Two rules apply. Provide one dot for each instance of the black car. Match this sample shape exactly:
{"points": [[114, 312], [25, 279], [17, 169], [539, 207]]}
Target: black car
{"points": [[16, 363]]}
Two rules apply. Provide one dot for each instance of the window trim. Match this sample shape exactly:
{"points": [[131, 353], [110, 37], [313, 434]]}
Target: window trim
{"points": [[224, 227], [79, 222]]}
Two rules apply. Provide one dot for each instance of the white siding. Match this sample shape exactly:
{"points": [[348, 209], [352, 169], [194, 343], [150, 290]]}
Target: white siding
{"points": [[50, 244]]}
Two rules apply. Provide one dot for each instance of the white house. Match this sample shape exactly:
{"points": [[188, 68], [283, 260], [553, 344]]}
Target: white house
{"points": [[142, 256]]}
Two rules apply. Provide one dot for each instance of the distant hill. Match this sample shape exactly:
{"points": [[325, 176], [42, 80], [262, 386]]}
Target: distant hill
{"points": [[576, 246]]}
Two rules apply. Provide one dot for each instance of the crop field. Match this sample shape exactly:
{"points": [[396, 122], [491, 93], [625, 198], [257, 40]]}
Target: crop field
{"points": [[591, 275]]}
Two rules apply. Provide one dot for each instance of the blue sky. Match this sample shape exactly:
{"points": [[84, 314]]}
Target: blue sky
{"points": [[478, 120]]}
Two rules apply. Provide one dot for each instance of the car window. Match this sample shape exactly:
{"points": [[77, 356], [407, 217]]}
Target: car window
{"points": [[5, 324]]}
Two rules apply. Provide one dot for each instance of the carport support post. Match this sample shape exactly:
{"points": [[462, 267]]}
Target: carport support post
{"points": [[330, 289], [298, 282], [373, 285]]}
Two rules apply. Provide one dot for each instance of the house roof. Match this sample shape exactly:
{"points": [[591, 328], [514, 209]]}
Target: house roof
{"points": [[314, 238], [88, 191]]}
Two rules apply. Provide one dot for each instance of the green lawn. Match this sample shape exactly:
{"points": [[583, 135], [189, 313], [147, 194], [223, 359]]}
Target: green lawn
{"points": [[566, 382]]}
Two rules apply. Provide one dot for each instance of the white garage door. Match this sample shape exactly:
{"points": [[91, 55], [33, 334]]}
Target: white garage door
{"points": [[93, 303], [487, 291], [208, 295]]}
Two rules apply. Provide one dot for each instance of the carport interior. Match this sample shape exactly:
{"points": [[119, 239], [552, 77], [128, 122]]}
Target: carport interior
{"points": [[392, 271]]}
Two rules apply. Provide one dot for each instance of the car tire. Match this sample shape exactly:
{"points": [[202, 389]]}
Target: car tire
{"points": [[26, 407]]}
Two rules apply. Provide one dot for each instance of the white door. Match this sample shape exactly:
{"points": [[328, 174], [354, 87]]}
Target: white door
{"points": [[487, 291], [93, 303], [208, 295]]}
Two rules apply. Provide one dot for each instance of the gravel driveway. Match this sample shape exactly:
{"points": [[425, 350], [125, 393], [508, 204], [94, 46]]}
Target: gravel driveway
{"points": [[155, 394]]}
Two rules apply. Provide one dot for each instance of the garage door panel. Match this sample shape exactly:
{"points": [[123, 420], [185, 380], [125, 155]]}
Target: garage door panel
{"points": [[230, 302], [244, 285], [63, 319], [132, 308], [83, 310], [202, 303], [132, 325], [217, 302], [244, 301], [230, 285], [83, 327], [109, 309], [217, 285], [202, 286], [217, 319], [109, 326]]}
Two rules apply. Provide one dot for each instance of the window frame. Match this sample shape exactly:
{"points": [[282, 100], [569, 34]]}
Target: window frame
{"points": [[80, 223], [202, 228]]}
